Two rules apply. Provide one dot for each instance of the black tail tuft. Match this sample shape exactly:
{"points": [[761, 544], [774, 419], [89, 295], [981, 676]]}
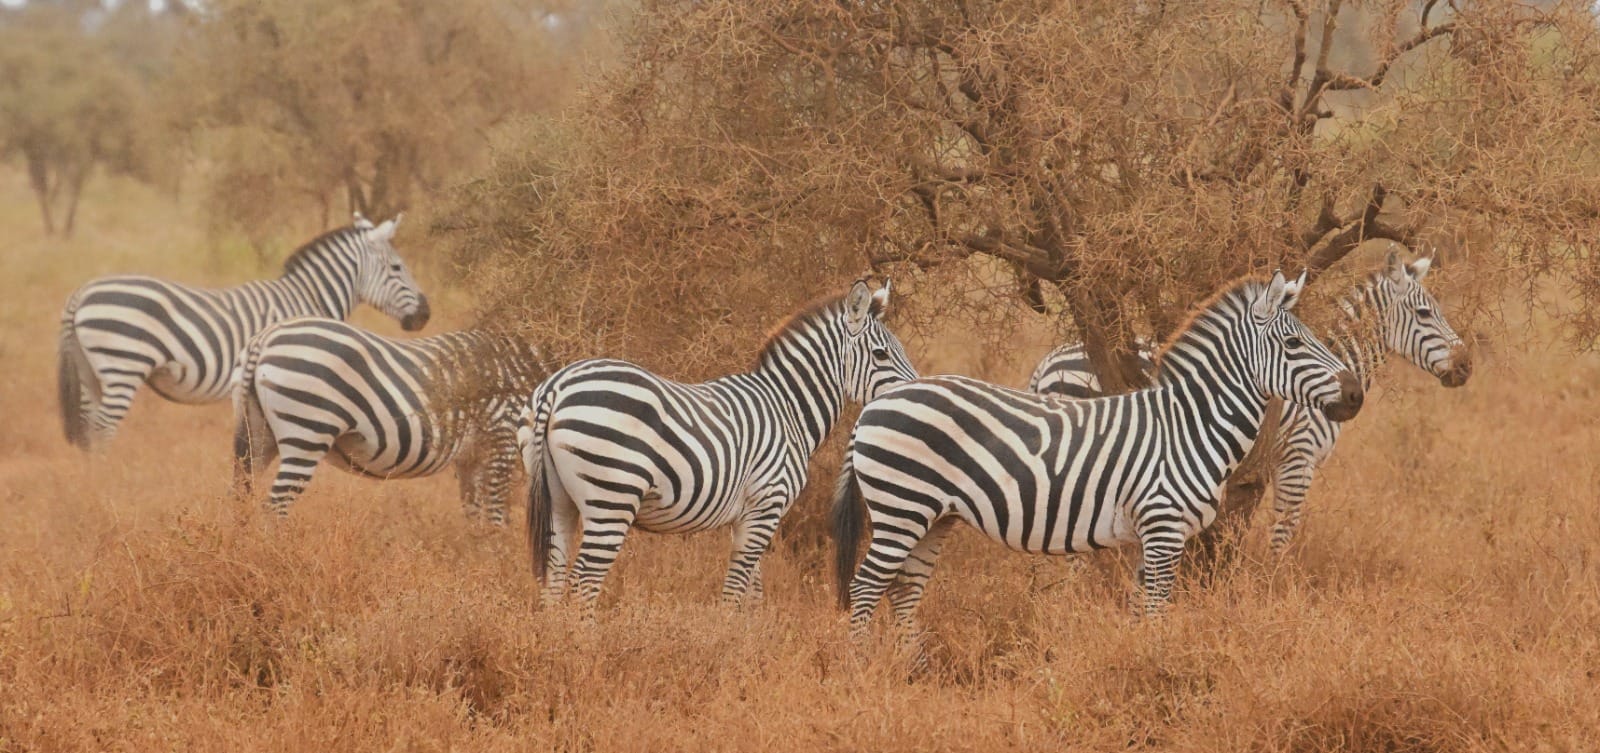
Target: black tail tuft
{"points": [[849, 514], [253, 441], [532, 436], [70, 384]]}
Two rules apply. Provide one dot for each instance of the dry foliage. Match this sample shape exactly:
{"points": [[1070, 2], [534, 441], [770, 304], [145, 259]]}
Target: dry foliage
{"points": [[1441, 598], [1108, 160], [368, 105]]}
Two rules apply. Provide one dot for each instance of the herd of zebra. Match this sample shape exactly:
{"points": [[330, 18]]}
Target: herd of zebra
{"points": [[608, 446]]}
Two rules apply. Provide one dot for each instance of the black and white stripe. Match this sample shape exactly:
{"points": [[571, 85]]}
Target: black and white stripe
{"points": [[609, 446], [1057, 476], [311, 389], [1067, 371], [119, 333], [1388, 312]]}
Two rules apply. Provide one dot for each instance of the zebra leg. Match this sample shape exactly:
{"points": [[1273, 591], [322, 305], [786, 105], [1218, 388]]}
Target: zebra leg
{"points": [[297, 459], [1162, 549], [906, 592], [893, 540], [752, 534], [605, 525], [118, 386], [1289, 487], [564, 523], [494, 473]]}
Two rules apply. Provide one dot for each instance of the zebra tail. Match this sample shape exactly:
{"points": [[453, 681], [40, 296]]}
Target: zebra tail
{"points": [[849, 513], [531, 435], [73, 379], [252, 435]]}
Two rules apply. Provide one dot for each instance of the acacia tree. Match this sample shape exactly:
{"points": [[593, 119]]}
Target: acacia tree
{"points": [[363, 101], [1122, 159], [1116, 161], [68, 106]]}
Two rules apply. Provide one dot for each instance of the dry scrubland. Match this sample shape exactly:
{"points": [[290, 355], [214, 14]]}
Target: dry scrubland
{"points": [[1443, 596]]}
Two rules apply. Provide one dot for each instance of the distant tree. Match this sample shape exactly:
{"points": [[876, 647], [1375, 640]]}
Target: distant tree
{"points": [[303, 103], [68, 106]]}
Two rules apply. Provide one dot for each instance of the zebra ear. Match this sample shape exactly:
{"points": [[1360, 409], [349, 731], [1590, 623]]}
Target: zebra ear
{"points": [[1419, 268], [858, 306], [1292, 290], [1270, 301], [384, 231], [880, 300], [361, 222], [1396, 269]]}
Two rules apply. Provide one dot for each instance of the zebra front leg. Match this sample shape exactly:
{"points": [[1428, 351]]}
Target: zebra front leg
{"points": [[752, 534], [1290, 484], [1158, 567]]}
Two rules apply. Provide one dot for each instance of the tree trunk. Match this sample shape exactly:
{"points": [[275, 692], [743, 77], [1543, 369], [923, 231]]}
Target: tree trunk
{"points": [[1215, 547], [39, 181], [75, 181]]}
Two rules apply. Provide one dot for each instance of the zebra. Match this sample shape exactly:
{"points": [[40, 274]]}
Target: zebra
{"points": [[1067, 371], [310, 389], [1389, 311], [119, 333], [1052, 475], [609, 446]]}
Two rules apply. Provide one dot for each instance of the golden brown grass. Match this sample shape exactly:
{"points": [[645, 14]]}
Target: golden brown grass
{"points": [[1442, 597]]}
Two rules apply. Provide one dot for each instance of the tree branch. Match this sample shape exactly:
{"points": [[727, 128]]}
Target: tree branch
{"points": [[1344, 82]]}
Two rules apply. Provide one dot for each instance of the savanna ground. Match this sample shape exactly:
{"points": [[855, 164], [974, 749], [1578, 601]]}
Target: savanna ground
{"points": [[1442, 595]]}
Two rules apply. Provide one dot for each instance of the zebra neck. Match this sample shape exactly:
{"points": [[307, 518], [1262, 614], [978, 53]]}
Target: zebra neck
{"points": [[1358, 336], [1212, 412], [806, 382], [308, 291]]}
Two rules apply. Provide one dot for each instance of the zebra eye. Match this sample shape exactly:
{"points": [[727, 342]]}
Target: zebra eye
{"points": [[881, 354], [1424, 313], [1293, 343]]}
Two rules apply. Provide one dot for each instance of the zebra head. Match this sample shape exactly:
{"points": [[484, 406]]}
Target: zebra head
{"points": [[383, 281], [1291, 363], [1415, 327], [874, 360]]}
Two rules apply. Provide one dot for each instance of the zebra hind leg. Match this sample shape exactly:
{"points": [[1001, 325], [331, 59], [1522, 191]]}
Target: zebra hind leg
{"points": [[905, 594], [752, 535], [564, 522], [494, 485], [893, 541], [299, 459], [605, 524]]}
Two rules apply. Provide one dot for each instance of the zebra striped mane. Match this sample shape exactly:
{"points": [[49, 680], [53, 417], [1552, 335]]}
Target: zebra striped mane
{"points": [[1242, 290], [310, 248], [816, 309]]}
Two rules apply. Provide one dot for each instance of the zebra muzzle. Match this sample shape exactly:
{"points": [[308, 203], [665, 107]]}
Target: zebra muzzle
{"points": [[1350, 399], [1460, 367], [417, 319]]}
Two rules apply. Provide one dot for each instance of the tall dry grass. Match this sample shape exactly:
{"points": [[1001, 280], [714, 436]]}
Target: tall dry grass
{"points": [[1442, 597]]}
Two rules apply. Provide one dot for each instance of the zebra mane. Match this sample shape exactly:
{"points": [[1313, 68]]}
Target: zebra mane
{"points": [[1242, 290], [816, 309], [314, 246]]}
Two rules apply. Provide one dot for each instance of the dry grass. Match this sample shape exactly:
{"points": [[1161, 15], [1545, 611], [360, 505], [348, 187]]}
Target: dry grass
{"points": [[1443, 596]]}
